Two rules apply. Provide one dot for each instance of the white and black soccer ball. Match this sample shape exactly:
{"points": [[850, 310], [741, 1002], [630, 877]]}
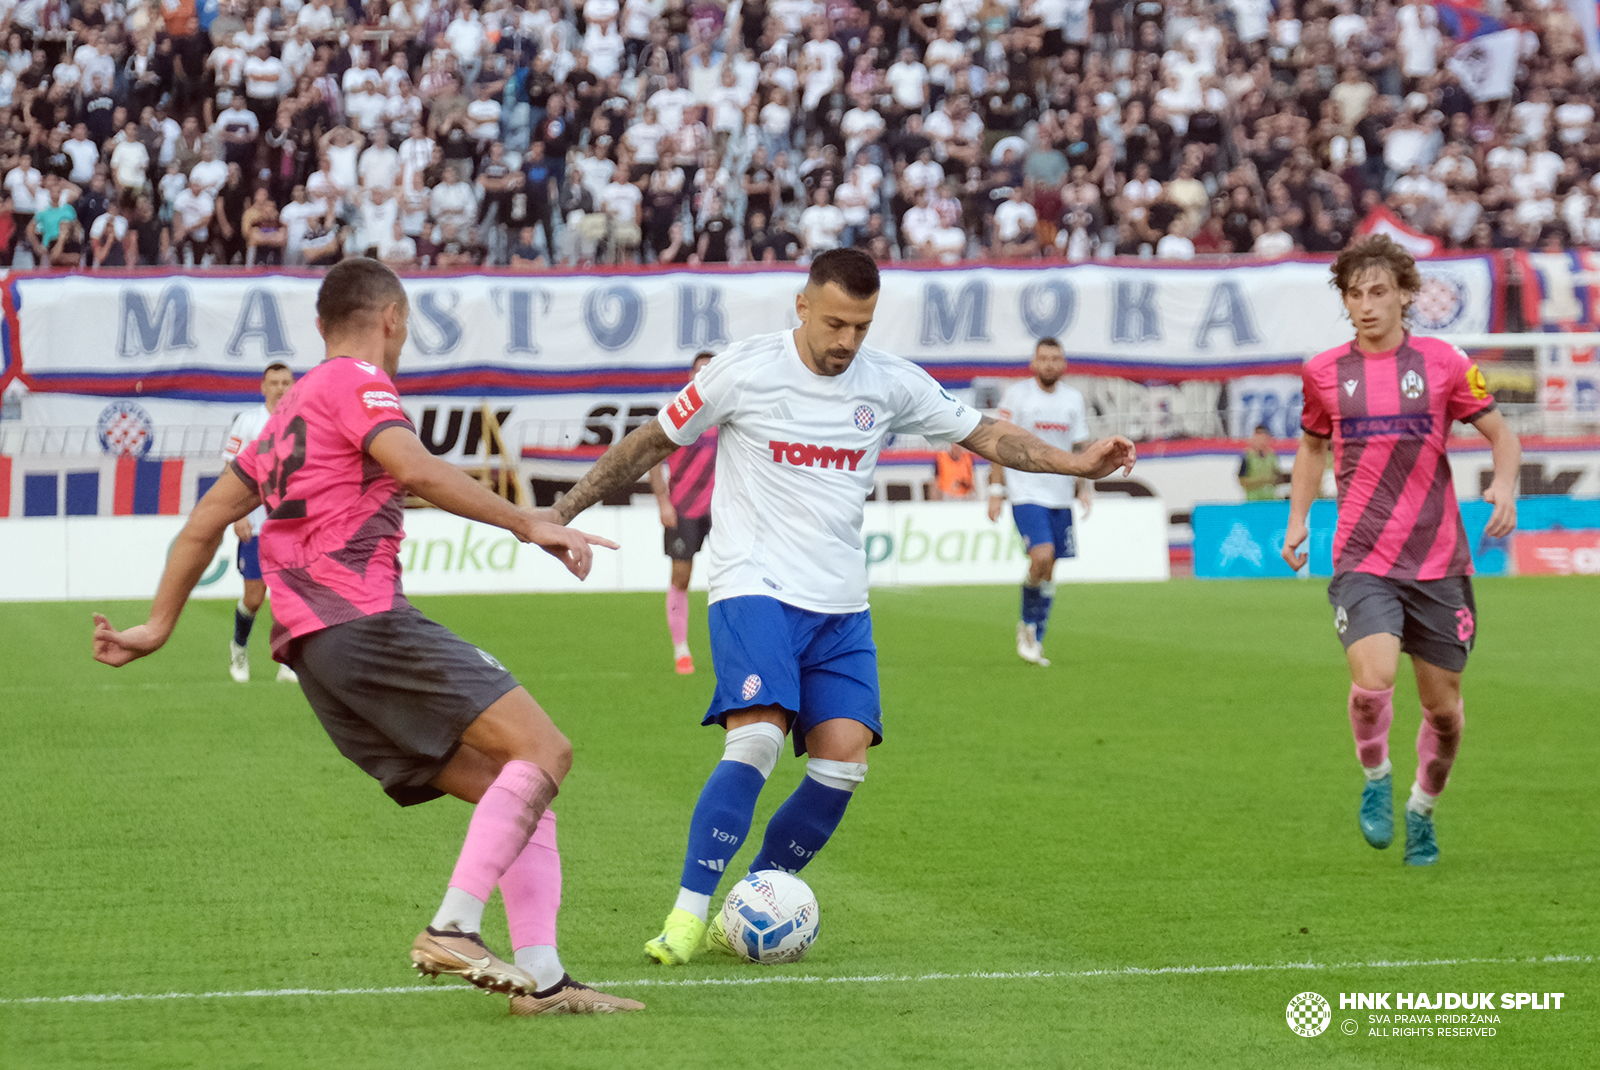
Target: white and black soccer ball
{"points": [[771, 917]]}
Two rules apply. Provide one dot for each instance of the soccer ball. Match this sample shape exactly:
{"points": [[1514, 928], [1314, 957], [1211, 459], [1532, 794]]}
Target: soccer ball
{"points": [[771, 917]]}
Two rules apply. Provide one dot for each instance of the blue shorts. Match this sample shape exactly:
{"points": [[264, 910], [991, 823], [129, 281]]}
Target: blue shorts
{"points": [[1040, 526], [250, 559], [817, 666]]}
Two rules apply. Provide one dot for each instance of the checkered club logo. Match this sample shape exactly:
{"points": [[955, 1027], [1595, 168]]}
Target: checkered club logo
{"points": [[1308, 1014], [864, 418], [752, 684]]}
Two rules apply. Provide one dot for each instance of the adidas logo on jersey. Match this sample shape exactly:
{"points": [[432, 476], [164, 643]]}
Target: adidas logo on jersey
{"points": [[805, 455], [716, 865]]}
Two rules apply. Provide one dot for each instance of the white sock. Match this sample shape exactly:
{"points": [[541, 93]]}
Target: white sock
{"points": [[460, 910], [245, 611], [1421, 802], [695, 903], [1378, 772], [680, 650], [541, 963]]}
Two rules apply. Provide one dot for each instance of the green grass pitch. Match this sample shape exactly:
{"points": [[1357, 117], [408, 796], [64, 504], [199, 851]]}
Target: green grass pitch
{"points": [[1178, 790]]}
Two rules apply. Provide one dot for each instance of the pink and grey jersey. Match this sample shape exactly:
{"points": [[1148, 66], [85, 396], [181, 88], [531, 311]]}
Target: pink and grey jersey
{"points": [[330, 544], [1389, 415], [692, 473]]}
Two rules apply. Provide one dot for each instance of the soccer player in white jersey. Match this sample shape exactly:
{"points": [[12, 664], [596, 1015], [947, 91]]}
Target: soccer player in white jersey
{"points": [[275, 382], [1041, 502], [801, 416]]}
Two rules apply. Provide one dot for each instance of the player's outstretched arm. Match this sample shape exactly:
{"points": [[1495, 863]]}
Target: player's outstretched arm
{"points": [[620, 466], [1502, 492], [443, 484], [1002, 443], [228, 500], [1309, 461]]}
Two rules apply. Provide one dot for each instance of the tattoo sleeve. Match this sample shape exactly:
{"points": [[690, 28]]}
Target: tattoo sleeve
{"points": [[618, 467], [1013, 447]]}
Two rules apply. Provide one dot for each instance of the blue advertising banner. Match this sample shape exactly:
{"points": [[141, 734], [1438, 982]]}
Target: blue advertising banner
{"points": [[1245, 541]]}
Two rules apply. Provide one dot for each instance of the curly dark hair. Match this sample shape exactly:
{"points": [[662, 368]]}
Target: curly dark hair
{"points": [[1380, 251]]}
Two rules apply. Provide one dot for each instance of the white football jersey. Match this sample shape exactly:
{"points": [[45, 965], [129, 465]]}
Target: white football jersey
{"points": [[1058, 417], [247, 427], [796, 452]]}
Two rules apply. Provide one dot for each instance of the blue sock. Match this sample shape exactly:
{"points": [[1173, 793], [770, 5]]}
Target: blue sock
{"points": [[242, 624], [801, 826], [720, 824], [1030, 603], [1047, 599]]}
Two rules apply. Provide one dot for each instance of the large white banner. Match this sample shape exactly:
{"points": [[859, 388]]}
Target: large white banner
{"points": [[920, 543], [207, 337]]}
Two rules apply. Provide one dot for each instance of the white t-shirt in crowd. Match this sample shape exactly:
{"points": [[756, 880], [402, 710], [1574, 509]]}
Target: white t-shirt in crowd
{"points": [[1058, 417], [796, 453]]}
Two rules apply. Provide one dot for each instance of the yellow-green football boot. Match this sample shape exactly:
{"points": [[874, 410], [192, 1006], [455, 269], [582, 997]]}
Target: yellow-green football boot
{"points": [[679, 940]]}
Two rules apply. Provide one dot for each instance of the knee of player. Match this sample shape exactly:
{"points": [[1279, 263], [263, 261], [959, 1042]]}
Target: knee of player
{"points": [[843, 776], [1445, 717], [757, 745]]}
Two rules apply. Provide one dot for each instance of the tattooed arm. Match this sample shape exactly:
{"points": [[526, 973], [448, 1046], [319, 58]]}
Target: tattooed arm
{"points": [[620, 466], [1009, 445]]}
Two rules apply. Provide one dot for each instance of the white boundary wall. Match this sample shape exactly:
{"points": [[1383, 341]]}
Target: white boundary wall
{"points": [[77, 558]]}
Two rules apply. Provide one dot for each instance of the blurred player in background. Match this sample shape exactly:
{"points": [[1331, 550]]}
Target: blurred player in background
{"points": [[275, 382], [682, 486], [420, 710], [802, 417], [1041, 502], [1259, 473], [1402, 566]]}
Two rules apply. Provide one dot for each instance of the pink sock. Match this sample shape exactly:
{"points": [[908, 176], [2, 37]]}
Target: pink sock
{"points": [[1371, 713], [678, 615], [501, 825], [1436, 750], [531, 888]]}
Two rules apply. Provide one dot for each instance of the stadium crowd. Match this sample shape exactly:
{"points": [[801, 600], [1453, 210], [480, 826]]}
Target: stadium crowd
{"points": [[530, 132]]}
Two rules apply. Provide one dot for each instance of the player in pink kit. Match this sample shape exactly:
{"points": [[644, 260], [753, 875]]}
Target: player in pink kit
{"points": [[419, 709], [1402, 566], [682, 486]]}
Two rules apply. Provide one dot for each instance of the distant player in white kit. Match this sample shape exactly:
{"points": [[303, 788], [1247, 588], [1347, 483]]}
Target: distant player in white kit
{"points": [[275, 382], [801, 415], [1041, 502]]}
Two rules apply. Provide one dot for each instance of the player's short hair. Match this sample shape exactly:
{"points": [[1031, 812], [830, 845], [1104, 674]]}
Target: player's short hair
{"points": [[275, 366], [1263, 427], [855, 272], [704, 354], [355, 287], [1378, 250], [1048, 340]]}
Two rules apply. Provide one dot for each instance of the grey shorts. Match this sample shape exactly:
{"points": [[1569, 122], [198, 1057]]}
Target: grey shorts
{"points": [[1436, 620], [394, 692], [684, 541]]}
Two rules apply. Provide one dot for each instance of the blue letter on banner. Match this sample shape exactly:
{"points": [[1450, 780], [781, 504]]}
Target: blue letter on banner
{"points": [[139, 333], [260, 318], [1048, 307], [700, 319], [438, 307], [1134, 316], [517, 306], [968, 319], [613, 315], [1229, 308]]}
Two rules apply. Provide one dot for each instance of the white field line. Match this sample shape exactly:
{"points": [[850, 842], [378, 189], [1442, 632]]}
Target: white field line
{"points": [[805, 979]]}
